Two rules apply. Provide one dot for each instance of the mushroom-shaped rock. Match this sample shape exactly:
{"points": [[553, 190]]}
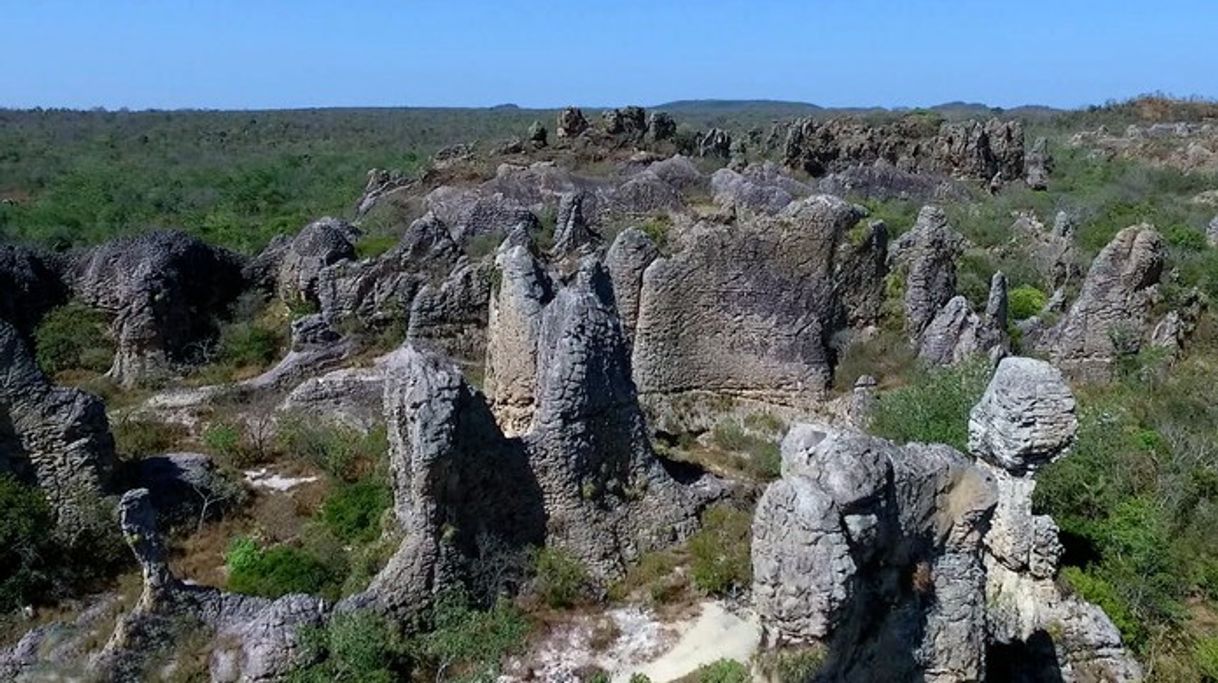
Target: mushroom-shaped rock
{"points": [[1026, 417]]}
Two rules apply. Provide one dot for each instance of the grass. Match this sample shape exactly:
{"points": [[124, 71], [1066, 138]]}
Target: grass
{"points": [[933, 407], [720, 551]]}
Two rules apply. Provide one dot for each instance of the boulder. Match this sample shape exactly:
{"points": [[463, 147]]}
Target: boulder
{"points": [[763, 188], [469, 213], [1110, 318], [537, 135], [163, 291], [715, 143], [513, 330], [660, 127], [321, 243], [350, 398], [573, 233], [1025, 418]]}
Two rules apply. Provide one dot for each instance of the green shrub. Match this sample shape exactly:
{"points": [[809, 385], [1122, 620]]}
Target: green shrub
{"points": [[933, 407], [468, 644], [353, 512], [373, 245], [354, 646], [276, 571], [1025, 301], [720, 551], [1205, 657], [223, 439], [342, 453], [248, 344], [657, 228], [639, 678], [25, 519], [723, 671], [73, 337], [762, 459], [791, 665], [656, 574], [1184, 237], [561, 580]]}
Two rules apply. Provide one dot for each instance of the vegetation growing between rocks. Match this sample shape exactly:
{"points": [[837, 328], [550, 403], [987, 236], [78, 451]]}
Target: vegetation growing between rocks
{"points": [[73, 337]]}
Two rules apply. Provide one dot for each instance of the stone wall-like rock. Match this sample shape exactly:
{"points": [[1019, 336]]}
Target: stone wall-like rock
{"points": [[31, 284]]}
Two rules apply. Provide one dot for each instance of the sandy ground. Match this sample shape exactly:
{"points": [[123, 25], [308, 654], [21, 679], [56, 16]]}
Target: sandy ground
{"points": [[715, 634]]}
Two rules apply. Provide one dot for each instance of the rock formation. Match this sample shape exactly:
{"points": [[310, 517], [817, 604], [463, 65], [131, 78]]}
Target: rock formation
{"points": [[660, 127], [762, 188], [54, 437], [627, 259], [573, 232], [162, 290], [321, 243], [715, 143], [927, 257], [1039, 164], [451, 316], [571, 123], [1110, 318], [747, 311], [956, 333], [523, 291], [916, 562]]}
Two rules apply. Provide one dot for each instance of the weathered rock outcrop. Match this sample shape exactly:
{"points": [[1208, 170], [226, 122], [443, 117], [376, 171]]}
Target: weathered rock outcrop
{"points": [[957, 333], [926, 255], [1039, 164], [253, 639], [162, 290], [381, 290], [762, 188], [571, 123], [627, 260], [715, 143], [524, 290], [451, 316], [54, 437], [660, 127], [1110, 318], [31, 284], [573, 233], [748, 310], [918, 563], [321, 243], [972, 150], [472, 213]]}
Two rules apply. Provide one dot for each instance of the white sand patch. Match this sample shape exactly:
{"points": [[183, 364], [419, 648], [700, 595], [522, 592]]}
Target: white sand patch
{"points": [[265, 479], [715, 634]]}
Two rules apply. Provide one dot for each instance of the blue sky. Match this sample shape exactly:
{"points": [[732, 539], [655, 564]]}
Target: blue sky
{"points": [[259, 54]]}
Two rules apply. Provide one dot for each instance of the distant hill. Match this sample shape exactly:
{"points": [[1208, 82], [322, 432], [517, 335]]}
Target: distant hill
{"points": [[713, 111]]}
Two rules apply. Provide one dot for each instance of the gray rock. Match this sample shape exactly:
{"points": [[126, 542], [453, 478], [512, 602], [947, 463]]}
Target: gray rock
{"points": [[680, 173], [928, 255], [162, 291], [630, 122], [645, 193], [538, 135], [957, 333], [182, 485], [747, 311], [627, 259], [523, 291], [54, 437], [1211, 232], [1110, 317], [571, 123], [1038, 164], [452, 317], [660, 127], [321, 243], [1026, 417], [758, 188], [350, 398], [715, 143], [471, 213], [573, 233], [31, 284]]}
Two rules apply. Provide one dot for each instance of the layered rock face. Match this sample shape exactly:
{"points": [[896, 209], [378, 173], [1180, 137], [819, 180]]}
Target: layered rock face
{"points": [[321, 243], [927, 256], [919, 563], [627, 260], [1110, 318], [54, 437], [748, 310], [957, 333], [972, 150], [162, 289]]}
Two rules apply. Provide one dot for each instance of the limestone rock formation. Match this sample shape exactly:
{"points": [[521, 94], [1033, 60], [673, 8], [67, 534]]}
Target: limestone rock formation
{"points": [[927, 254], [956, 333], [627, 260], [538, 136], [628, 121], [321, 243], [573, 232], [162, 290], [1039, 164], [680, 173], [350, 398], [54, 437], [523, 291], [571, 123], [660, 127], [747, 311], [451, 316], [31, 284], [1110, 317], [470, 213], [917, 563], [762, 188], [715, 143]]}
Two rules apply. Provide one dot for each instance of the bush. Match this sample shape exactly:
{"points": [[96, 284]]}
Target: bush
{"points": [[1025, 301], [342, 453], [466, 643], [223, 439], [248, 344], [73, 337], [656, 573], [561, 580], [277, 571], [356, 646], [639, 678], [762, 458], [1186, 238], [138, 438], [791, 665], [723, 671], [25, 518], [1205, 657], [933, 407], [353, 512], [721, 550], [371, 246]]}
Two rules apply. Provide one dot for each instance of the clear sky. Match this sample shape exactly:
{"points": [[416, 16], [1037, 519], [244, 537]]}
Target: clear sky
{"points": [[303, 53]]}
